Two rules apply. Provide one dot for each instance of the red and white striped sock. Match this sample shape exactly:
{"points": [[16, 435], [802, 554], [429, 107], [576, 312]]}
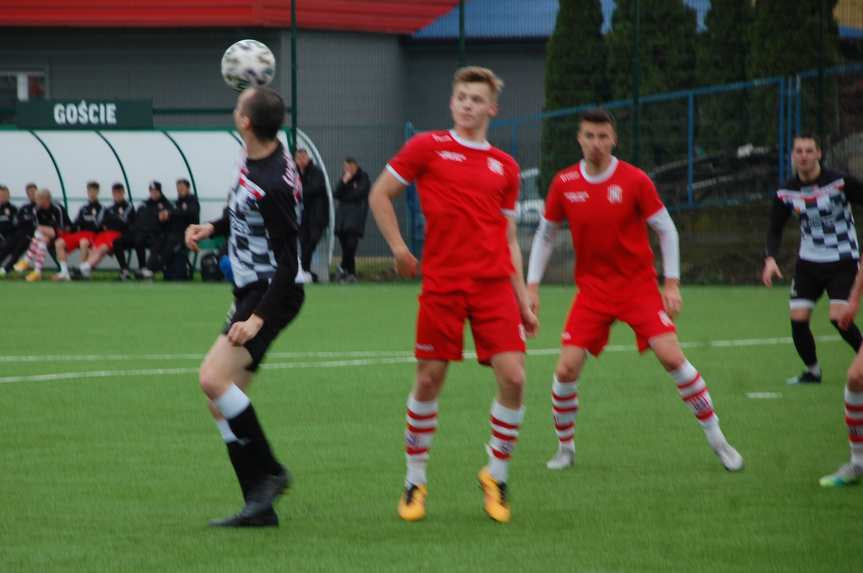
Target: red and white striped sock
{"points": [[505, 423], [421, 426], [694, 393], [36, 252], [854, 421], [564, 407]]}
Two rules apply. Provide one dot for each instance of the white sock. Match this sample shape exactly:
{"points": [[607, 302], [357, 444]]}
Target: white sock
{"points": [[232, 402], [64, 268], [815, 369], [854, 421], [226, 431], [564, 408], [85, 268], [505, 423], [421, 420]]}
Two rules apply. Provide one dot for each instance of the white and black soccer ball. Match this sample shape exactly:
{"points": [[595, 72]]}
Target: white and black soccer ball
{"points": [[248, 63]]}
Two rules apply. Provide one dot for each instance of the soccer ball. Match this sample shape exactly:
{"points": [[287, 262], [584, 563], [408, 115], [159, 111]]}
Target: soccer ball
{"points": [[248, 63]]}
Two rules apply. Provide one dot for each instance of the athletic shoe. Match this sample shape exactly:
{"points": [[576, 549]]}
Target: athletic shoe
{"points": [[21, 266], [849, 474], [144, 274], [805, 377], [33, 276], [730, 458], [412, 505], [494, 501], [351, 279], [62, 277], [563, 458], [266, 519], [265, 492], [125, 275]]}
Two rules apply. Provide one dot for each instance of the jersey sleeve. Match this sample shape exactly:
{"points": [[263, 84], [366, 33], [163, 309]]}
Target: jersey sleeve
{"points": [[649, 202], [554, 202], [513, 187], [410, 162], [278, 211]]}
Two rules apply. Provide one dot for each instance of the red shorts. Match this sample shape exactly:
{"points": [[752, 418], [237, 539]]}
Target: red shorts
{"points": [[73, 240], [106, 238], [495, 322], [590, 319]]}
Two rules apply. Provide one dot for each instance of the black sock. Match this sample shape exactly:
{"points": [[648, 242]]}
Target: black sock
{"points": [[851, 336], [804, 342], [242, 467], [248, 430]]}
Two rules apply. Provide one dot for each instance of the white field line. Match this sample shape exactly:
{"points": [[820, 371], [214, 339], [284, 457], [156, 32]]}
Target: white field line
{"points": [[366, 358]]}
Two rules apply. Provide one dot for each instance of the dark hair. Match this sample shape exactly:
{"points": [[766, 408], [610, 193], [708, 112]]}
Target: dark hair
{"points": [[118, 187], [92, 184], [807, 135], [598, 115], [266, 112], [351, 160], [31, 186], [3, 187], [155, 185], [185, 182]]}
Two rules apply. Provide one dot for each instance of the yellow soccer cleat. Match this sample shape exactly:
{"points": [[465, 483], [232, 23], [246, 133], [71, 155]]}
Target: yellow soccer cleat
{"points": [[21, 266], [412, 505], [33, 276], [495, 502]]}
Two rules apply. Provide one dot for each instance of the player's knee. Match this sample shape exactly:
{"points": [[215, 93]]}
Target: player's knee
{"points": [[567, 372], [855, 379], [428, 383], [210, 381], [59, 244]]}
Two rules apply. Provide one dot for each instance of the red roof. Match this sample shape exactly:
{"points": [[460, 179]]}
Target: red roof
{"points": [[390, 16]]}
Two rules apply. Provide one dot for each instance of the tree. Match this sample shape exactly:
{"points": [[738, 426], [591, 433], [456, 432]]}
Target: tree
{"points": [[783, 42], [574, 75], [666, 53], [721, 56]]}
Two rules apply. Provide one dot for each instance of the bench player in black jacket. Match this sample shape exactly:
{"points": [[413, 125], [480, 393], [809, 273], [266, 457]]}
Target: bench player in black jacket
{"points": [[115, 221], [261, 225], [25, 223], [51, 220], [83, 234]]}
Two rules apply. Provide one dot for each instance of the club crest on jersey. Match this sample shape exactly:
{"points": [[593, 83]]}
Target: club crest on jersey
{"points": [[495, 166], [576, 196], [615, 194], [451, 156]]}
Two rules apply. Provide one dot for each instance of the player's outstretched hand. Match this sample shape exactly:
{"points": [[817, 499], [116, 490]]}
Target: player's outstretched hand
{"points": [[242, 332], [848, 314], [533, 298], [771, 269], [671, 299], [195, 233], [406, 264]]}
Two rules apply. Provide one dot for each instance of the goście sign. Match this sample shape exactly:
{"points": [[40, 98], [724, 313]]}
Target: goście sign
{"points": [[84, 114]]}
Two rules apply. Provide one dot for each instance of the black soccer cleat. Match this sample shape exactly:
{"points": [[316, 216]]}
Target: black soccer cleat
{"points": [[266, 519], [264, 493], [805, 377]]}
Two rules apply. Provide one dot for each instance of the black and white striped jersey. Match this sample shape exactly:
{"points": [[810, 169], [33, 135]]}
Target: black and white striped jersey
{"points": [[827, 230], [261, 222]]}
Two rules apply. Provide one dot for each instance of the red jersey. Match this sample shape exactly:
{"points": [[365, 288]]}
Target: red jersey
{"points": [[466, 191], [607, 216]]}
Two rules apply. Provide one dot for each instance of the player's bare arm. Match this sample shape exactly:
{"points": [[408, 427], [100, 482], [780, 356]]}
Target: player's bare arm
{"points": [[528, 317], [771, 270], [385, 189]]}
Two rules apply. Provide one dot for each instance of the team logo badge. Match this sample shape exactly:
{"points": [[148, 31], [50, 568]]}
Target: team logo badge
{"points": [[495, 166], [615, 194]]}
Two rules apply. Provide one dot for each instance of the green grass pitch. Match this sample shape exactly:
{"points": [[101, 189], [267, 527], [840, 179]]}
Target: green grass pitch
{"points": [[107, 465]]}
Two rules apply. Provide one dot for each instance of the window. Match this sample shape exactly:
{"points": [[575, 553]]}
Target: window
{"points": [[18, 86]]}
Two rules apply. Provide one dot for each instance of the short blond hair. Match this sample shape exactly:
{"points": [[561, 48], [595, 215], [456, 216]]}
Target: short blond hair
{"points": [[477, 74]]}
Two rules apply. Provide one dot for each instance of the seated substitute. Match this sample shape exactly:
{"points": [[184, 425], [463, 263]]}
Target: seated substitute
{"points": [[8, 212], [116, 220], [84, 231], [51, 220], [17, 243]]}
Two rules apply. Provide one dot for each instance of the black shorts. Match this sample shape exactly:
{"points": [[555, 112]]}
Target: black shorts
{"points": [[246, 300], [812, 279]]}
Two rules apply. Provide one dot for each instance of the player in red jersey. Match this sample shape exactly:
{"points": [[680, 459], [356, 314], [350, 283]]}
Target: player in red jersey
{"points": [[471, 270], [609, 204]]}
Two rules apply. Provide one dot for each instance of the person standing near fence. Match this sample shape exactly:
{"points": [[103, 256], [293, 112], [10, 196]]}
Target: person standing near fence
{"points": [[352, 193], [609, 205], [316, 209], [829, 251]]}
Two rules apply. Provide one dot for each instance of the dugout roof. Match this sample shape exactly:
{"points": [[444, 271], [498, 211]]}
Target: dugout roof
{"points": [[387, 16]]}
